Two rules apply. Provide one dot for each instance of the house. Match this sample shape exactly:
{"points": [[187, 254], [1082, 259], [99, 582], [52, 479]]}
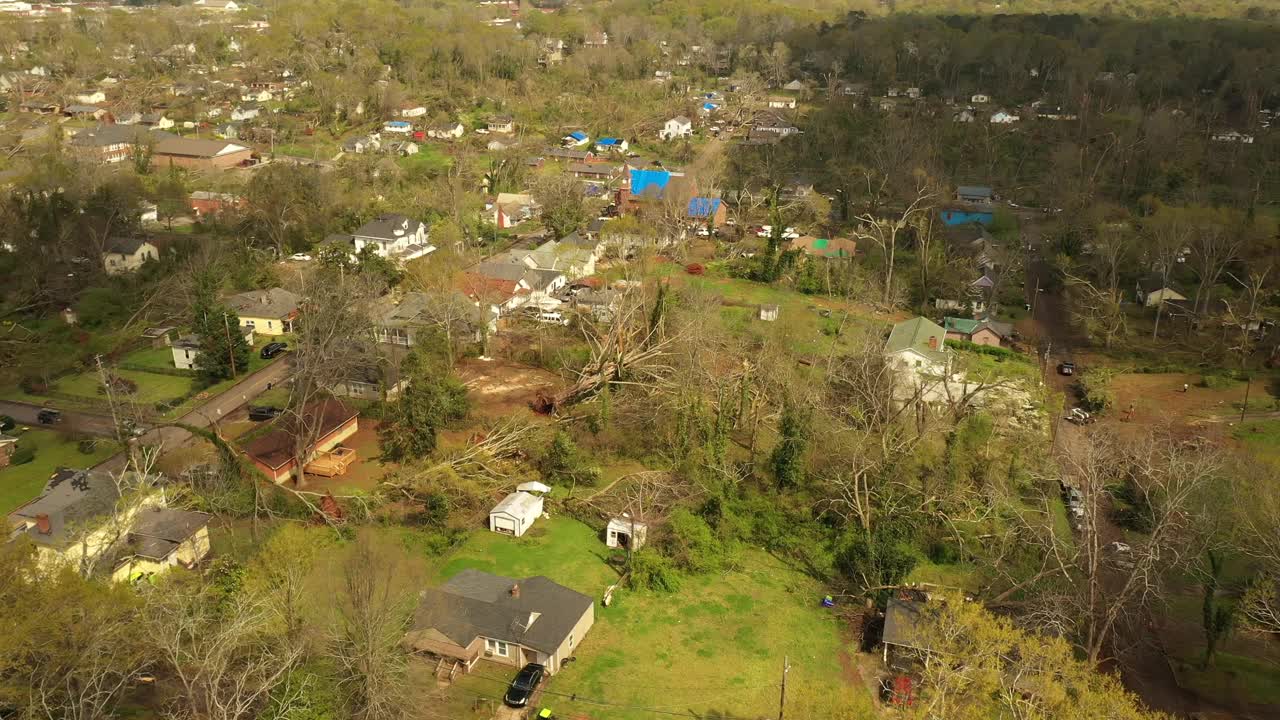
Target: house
{"points": [[975, 194], [1003, 117], [329, 421], [596, 39], [793, 86], [402, 148], [576, 138], [399, 318], [967, 216], [769, 312], [228, 6], [125, 255], [39, 107], [978, 332], [399, 127], [203, 202], [824, 247], [269, 312], [83, 515], [392, 236], [1152, 291], [917, 346], [506, 282], [363, 144], [902, 618], [980, 99], [446, 131], [661, 76], [84, 112], [199, 154], [781, 102], [592, 171], [676, 127], [410, 110], [372, 381], [510, 209], [599, 304], [515, 514], [625, 532], [161, 538], [606, 144], [706, 211], [113, 143], [552, 52], [186, 349], [510, 621], [156, 121], [915, 93], [502, 124], [571, 155], [564, 255], [240, 113], [775, 124], [227, 131]]}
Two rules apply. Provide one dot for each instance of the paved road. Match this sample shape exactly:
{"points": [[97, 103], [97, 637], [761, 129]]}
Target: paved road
{"points": [[170, 438], [72, 422]]}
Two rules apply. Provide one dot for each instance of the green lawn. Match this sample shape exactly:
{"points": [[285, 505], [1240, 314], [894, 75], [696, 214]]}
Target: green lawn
{"points": [[152, 387], [716, 646], [1261, 438], [21, 483], [428, 158]]}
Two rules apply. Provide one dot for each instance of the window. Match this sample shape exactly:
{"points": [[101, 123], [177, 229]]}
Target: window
{"points": [[497, 647], [570, 640]]}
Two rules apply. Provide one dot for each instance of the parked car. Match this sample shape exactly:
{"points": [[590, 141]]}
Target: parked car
{"points": [[1066, 368], [6, 423], [49, 416], [551, 317], [258, 413], [273, 349], [521, 690], [300, 257]]}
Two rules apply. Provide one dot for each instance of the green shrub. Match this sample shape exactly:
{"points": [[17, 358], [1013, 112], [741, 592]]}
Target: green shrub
{"points": [[653, 571], [87, 446], [691, 544], [1217, 382], [23, 455], [999, 352], [1096, 394]]}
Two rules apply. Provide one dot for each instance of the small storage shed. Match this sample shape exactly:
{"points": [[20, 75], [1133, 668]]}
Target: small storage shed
{"points": [[515, 514], [623, 532], [768, 313]]}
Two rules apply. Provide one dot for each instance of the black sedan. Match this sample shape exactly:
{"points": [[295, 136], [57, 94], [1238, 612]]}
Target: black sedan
{"points": [[521, 690], [258, 413], [273, 349], [1066, 368]]}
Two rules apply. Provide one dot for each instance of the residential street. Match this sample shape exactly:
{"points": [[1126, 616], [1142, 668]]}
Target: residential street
{"points": [[170, 437], [72, 422]]}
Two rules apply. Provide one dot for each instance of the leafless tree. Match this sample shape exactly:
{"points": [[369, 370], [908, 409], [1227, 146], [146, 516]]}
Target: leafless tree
{"points": [[883, 231], [1167, 236], [1214, 247], [224, 655]]}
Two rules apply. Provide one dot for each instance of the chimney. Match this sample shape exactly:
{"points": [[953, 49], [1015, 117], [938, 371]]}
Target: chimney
{"points": [[42, 524], [515, 591], [933, 342]]}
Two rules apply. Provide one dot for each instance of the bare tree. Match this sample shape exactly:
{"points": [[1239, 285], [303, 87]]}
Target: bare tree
{"points": [[1168, 235], [1214, 248], [883, 231]]}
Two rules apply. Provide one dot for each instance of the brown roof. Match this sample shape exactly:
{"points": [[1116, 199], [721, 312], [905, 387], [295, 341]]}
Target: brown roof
{"points": [[191, 147], [275, 449]]}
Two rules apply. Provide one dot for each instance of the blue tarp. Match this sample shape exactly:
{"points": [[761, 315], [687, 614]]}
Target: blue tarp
{"points": [[608, 141], [653, 181], [578, 135], [703, 207]]}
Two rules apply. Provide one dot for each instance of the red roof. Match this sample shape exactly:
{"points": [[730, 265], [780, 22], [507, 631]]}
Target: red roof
{"points": [[275, 449]]}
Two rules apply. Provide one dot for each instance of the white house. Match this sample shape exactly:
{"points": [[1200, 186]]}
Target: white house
{"points": [[243, 112], [124, 255], [397, 126], [91, 97], [679, 126], [409, 110], [510, 209], [916, 347], [217, 5], [446, 131], [393, 236], [254, 95], [1152, 291], [515, 514], [782, 103], [1001, 117], [980, 99], [186, 349], [1232, 136]]}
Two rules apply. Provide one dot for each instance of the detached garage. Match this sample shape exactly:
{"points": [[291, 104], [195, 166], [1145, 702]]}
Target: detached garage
{"points": [[515, 514]]}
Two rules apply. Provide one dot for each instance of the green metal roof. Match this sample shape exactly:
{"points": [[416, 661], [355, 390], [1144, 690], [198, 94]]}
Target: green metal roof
{"points": [[964, 326], [914, 334]]}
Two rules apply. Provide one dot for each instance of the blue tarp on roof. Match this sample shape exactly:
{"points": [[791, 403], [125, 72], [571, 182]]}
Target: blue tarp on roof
{"points": [[710, 106], [703, 207], [398, 124], [653, 181], [608, 141], [578, 135]]}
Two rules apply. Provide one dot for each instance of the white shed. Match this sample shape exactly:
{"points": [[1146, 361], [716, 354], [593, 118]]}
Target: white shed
{"points": [[624, 532], [515, 514]]}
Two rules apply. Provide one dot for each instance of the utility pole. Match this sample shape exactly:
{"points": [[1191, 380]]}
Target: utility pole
{"points": [[782, 698], [111, 398], [1248, 383], [231, 348]]}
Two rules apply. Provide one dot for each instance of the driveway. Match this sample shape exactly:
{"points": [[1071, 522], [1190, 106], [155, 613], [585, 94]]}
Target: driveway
{"points": [[170, 437], [72, 422]]}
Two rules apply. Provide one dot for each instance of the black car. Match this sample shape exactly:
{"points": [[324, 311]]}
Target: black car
{"points": [[258, 413], [49, 416], [7, 423], [273, 349], [1066, 368], [522, 687]]}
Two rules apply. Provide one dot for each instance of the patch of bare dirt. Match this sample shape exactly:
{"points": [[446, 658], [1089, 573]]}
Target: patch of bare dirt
{"points": [[501, 388]]}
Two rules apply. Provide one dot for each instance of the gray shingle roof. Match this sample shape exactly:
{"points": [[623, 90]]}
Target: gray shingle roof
{"points": [[271, 303], [901, 618], [385, 227], [476, 603], [157, 532], [125, 246], [71, 499]]}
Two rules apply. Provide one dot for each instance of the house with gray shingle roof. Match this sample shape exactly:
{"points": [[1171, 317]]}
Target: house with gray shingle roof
{"points": [[269, 312], [513, 621]]}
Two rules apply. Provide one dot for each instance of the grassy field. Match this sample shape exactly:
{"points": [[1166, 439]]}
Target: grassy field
{"points": [[1261, 438], [21, 483], [152, 387], [161, 357], [428, 158], [716, 646]]}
